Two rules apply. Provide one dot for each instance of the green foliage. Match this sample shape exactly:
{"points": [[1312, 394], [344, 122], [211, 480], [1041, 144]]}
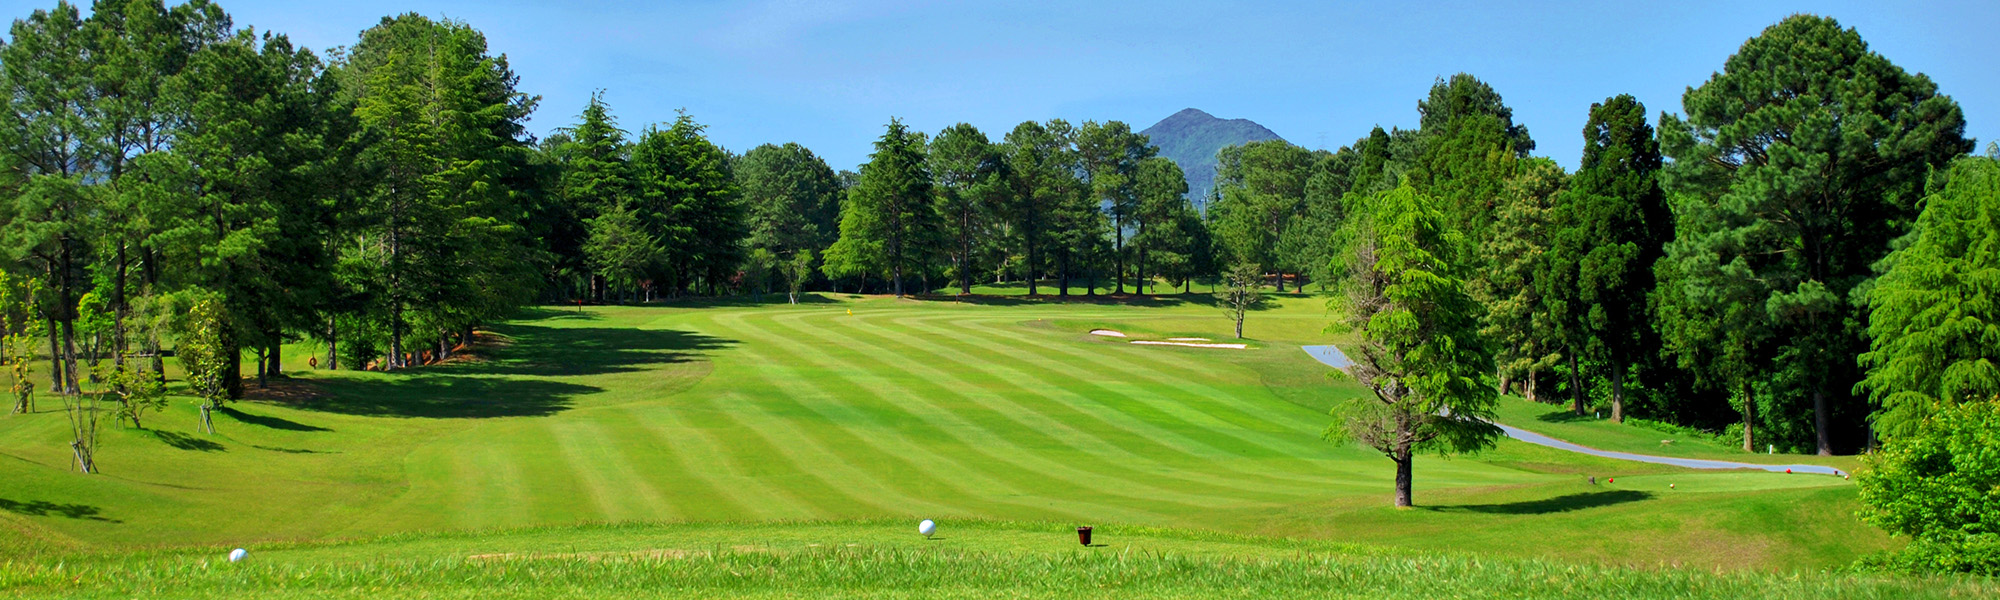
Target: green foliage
{"points": [[1607, 232], [19, 330], [792, 199], [1418, 348], [796, 271], [1795, 167], [893, 204], [1245, 283], [689, 200], [1260, 186], [971, 184], [203, 351], [1192, 139], [621, 249], [1936, 486], [1935, 325], [1162, 218], [1517, 319]]}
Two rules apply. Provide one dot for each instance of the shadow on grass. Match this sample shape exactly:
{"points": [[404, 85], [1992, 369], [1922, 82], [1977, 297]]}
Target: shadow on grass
{"points": [[41, 508], [442, 396], [1552, 505], [560, 351], [270, 422], [1563, 417], [187, 442], [1149, 300]]}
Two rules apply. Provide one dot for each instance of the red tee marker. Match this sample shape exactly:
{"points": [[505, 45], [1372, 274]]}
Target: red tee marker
{"points": [[1611, 480], [1788, 471]]}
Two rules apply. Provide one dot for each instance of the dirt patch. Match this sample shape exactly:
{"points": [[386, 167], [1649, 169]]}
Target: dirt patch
{"points": [[283, 390]]}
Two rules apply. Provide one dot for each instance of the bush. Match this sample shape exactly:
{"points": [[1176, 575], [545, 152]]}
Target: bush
{"points": [[1940, 487]]}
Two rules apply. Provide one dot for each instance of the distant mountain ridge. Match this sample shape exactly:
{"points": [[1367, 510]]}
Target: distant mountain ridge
{"points": [[1191, 137]]}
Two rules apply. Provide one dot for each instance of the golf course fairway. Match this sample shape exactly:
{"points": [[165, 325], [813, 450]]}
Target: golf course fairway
{"points": [[745, 433]]}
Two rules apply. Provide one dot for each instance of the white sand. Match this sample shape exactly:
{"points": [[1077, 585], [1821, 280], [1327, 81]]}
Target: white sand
{"points": [[1187, 339], [1193, 345], [1106, 332]]}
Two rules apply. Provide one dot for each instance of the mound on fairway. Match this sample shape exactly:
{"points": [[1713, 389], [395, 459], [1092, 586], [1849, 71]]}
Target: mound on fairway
{"points": [[902, 410]]}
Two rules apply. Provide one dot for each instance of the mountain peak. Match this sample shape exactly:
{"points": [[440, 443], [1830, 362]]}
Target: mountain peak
{"points": [[1191, 138]]}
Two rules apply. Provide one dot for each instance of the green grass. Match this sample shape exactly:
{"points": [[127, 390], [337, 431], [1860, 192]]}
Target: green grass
{"points": [[1556, 420], [870, 408], [886, 559]]}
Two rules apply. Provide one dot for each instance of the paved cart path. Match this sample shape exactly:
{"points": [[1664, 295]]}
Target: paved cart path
{"points": [[1332, 357]]}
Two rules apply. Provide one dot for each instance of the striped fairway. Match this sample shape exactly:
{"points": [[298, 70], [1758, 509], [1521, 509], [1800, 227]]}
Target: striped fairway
{"points": [[862, 409], [911, 409]]}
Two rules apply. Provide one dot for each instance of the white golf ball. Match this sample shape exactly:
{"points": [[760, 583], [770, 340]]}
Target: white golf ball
{"points": [[238, 554], [927, 527]]}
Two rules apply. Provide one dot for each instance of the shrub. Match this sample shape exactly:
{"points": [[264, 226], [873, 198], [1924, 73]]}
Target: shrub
{"points": [[1940, 487]]}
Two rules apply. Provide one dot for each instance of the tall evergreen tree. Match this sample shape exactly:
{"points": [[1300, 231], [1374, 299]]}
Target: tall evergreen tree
{"points": [[1809, 151], [593, 180], [894, 199], [971, 181], [791, 197], [1608, 233], [1419, 349], [690, 201], [1934, 325]]}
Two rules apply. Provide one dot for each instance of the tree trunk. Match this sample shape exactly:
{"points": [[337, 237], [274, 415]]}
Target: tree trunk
{"points": [[276, 368], [1820, 423], [333, 343], [69, 357], [1575, 386], [1533, 375], [55, 361], [1617, 390], [118, 310], [1506, 384], [232, 370], [1281, 281], [263, 379], [1749, 418], [1403, 460]]}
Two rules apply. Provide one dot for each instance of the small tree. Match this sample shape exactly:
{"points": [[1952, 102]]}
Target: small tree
{"points": [[138, 393], [796, 272], [200, 350], [1419, 348], [757, 269], [19, 330], [83, 411], [1243, 292]]}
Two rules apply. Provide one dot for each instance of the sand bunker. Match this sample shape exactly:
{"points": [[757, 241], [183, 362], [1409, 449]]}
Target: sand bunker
{"points": [[1106, 333], [1187, 339], [1193, 345]]}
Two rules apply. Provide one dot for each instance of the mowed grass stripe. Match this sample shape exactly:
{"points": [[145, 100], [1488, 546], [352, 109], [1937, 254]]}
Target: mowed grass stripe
{"points": [[994, 427], [836, 452], [951, 429], [613, 486], [1172, 417], [1355, 472], [685, 466], [946, 476], [1118, 446], [1232, 409], [1081, 390], [760, 463]]}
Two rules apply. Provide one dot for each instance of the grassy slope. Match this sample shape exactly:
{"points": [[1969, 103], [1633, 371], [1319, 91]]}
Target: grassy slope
{"points": [[901, 409]]}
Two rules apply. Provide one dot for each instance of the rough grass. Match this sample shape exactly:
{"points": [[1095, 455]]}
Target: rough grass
{"points": [[883, 559], [866, 408]]}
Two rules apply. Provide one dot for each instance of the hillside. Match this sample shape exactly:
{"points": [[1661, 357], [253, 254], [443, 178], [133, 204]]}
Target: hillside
{"points": [[1191, 138]]}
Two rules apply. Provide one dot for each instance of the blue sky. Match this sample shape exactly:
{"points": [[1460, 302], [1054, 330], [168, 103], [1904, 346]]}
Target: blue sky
{"points": [[830, 74]]}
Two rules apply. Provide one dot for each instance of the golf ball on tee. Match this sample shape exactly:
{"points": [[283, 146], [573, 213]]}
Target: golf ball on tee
{"points": [[927, 527], [238, 554]]}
